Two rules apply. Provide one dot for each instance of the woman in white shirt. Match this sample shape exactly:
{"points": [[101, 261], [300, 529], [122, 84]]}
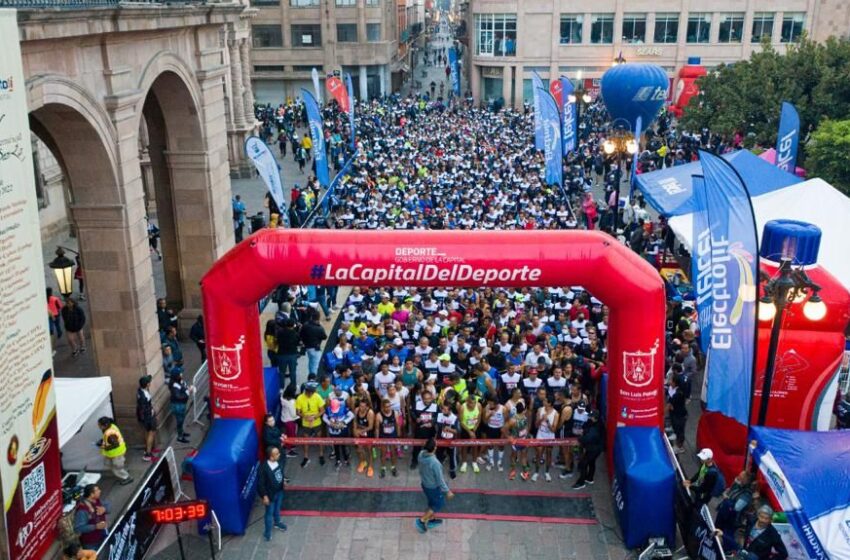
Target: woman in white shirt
{"points": [[288, 417]]}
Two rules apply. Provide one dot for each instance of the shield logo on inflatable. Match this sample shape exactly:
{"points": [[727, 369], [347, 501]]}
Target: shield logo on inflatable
{"points": [[226, 363], [634, 90], [637, 367]]}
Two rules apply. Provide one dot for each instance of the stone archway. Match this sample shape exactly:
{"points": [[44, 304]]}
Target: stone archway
{"points": [[189, 178], [110, 229]]}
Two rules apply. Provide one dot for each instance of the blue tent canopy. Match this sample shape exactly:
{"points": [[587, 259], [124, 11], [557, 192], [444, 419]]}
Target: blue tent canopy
{"points": [[670, 190], [809, 473]]}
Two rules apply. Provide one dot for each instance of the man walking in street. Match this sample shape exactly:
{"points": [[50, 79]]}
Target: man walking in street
{"points": [[114, 449], [433, 485], [270, 485]]}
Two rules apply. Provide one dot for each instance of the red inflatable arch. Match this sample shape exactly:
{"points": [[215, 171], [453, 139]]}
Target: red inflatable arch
{"points": [[630, 287]]}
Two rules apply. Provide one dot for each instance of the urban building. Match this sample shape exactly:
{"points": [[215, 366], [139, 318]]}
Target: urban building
{"points": [[511, 39], [368, 39]]}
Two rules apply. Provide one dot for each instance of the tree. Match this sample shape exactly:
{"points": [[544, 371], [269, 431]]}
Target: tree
{"points": [[746, 96], [828, 150]]}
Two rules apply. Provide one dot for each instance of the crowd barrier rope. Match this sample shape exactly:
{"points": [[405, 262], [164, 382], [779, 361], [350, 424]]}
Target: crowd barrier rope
{"points": [[379, 442]]}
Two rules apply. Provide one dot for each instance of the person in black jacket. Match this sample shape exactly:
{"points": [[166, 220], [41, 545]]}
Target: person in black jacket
{"points": [[591, 445], [703, 482], [146, 416], [270, 486], [762, 540], [288, 343], [312, 335], [74, 319], [196, 333], [179, 402]]}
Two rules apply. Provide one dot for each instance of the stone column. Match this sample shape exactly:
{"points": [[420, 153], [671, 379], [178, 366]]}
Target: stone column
{"points": [[247, 90], [364, 83], [236, 84]]}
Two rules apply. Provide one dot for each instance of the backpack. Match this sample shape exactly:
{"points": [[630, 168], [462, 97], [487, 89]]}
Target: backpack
{"points": [[719, 483]]}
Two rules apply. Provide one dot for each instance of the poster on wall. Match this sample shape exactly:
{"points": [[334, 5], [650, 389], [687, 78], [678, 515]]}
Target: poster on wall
{"points": [[29, 443]]}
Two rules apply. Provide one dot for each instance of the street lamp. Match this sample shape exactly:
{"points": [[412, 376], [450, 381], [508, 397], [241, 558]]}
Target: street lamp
{"points": [[63, 267], [790, 286], [621, 141], [580, 97], [619, 60]]}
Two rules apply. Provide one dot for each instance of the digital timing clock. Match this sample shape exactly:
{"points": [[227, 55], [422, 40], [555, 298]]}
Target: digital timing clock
{"points": [[169, 514]]}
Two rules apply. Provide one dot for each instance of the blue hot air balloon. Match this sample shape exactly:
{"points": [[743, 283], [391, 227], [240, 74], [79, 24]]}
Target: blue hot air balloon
{"points": [[634, 90]]}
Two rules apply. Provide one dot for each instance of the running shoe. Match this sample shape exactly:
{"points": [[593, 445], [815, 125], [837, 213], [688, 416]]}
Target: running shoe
{"points": [[147, 457], [305, 462], [383, 472], [338, 464], [512, 474], [463, 468], [452, 475], [420, 526], [548, 477], [565, 474], [394, 471], [292, 453], [362, 466], [435, 523], [475, 468], [501, 467], [489, 467], [589, 481], [524, 475], [579, 485], [280, 526], [534, 477], [371, 472], [481, 460]]}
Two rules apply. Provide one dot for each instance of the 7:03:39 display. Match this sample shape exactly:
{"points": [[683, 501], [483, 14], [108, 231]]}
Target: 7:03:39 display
{"points": [[178, 512]]}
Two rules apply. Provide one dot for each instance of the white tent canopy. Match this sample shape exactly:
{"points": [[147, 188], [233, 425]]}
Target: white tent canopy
{"points": [[814, 201], [79, 403]]}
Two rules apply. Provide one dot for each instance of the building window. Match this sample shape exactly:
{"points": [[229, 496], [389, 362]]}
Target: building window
{"points": [[792, 27], [666, 28], [699, 27], [495, 34], [303, 3], [265, 2], [262, 68], [373, 2], [634, 28], [266, 36], [731, 28], [346, 33], [346, 2], [307, 35], [602, 28], [571, 29], [307, 68], [762, 26], [373, 32]]}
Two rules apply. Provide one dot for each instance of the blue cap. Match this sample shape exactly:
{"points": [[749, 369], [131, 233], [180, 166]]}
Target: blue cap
{"points": [[790, 239]]}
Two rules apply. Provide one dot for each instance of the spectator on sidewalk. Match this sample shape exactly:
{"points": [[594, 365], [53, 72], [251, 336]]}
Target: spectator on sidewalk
{"points": [[270, 486], [196, 333], [312, 336], [74, 319], [180, 393], [146, 416], [703, 483], [433, 484], [54, 313], [90, 518]]}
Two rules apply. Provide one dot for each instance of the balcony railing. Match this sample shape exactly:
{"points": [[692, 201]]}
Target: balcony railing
{"points": [[85, 4]]}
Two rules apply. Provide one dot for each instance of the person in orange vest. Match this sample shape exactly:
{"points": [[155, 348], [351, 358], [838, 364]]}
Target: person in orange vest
{"points": [[114, 449]]}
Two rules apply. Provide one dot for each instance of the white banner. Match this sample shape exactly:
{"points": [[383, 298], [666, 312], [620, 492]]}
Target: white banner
{"points": [[267, 167]]}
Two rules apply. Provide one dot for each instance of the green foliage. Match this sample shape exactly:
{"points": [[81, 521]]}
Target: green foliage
{"points": [[828, 152], [746, 96]]}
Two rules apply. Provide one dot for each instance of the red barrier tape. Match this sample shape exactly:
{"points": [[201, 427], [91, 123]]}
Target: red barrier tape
{"points": [[420, 442]]}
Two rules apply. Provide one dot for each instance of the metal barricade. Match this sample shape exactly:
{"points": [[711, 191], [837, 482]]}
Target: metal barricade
{"points": [[200, 401]]}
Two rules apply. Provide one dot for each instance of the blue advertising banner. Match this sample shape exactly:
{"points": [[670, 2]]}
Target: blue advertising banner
{"points": [[788, 139], [734, 271], [569, 124], [317, 133], [551, 119], [701, 262], [351, 103], [455, 68], [538, 122], [633, 177], [260, 155]]}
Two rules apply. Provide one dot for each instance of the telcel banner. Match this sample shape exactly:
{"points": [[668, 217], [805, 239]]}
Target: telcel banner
{"points": [[552, 138], [455, 70], [317, 133], [539, 141], [569, 124], [788, 139], [29, 463]]}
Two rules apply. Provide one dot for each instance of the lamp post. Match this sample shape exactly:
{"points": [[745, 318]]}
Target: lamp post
{"points": [[580, 97], [63, 267], [619, 60], [620, 141], [790, 286]]}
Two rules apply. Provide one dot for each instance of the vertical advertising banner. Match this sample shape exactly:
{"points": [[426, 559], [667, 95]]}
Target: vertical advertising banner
{"points": [[788, 139], [552, 138], [568, 123], [317, 133], [539, 143], [734, 270], [701, 262], [339, 92], [318, 90], [455, 70], [350, 89], [29, 443], [260, 155]]}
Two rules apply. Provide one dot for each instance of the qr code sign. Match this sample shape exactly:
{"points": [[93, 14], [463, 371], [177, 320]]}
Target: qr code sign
{"points": [[34, 486]]}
